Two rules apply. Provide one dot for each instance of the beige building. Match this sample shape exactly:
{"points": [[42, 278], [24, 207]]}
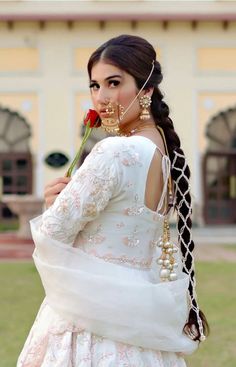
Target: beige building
{"points": [[44, 47]]}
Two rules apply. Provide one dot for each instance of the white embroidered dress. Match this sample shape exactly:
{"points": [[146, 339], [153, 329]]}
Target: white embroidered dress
{"points": [[95, 249]]}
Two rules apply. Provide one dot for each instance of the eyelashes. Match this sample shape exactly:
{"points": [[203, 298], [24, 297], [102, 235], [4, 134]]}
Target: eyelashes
{"points": [[93, 86], [111, 83], [115, 83]]}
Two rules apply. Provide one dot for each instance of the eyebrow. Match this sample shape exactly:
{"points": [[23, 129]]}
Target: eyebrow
{"points": [[109, 77]]}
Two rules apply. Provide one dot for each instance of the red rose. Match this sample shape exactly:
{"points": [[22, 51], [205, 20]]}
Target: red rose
{"points": [[92, 118]]}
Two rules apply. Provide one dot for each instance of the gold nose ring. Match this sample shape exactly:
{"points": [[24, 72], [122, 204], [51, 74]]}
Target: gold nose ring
{"points": [[110, 110]]}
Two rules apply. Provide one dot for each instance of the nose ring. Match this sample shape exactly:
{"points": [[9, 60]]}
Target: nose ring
{"points": [[110, 110]]}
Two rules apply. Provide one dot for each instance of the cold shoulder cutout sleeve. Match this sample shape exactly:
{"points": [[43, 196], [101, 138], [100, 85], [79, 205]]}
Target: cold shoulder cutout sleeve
{"points": [[86, 195]]}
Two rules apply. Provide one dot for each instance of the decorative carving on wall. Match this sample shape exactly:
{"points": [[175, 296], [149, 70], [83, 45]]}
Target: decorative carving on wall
{"points": [[14, 132], [221, 131]]}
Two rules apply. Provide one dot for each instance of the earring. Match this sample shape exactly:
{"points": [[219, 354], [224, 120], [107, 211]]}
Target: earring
{"points": [[145, 102]]}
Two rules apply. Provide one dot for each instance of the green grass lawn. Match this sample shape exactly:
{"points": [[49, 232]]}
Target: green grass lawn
{"points": [[217, 295], [12, 225], [21, 295]]}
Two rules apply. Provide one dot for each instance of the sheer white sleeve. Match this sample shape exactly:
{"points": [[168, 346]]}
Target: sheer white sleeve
{"points": [[86, 195]]}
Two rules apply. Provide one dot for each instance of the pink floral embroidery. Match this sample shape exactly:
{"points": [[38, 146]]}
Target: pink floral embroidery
{"points": [[93, 237], [135, 262], [120, 225], [132, 240]]}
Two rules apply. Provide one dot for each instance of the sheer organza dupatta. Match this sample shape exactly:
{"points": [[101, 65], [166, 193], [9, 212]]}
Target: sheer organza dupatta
{"points": [[111, 300]]}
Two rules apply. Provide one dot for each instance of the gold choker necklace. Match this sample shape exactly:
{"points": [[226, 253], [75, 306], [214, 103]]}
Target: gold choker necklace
{"points": [[136, 130]]}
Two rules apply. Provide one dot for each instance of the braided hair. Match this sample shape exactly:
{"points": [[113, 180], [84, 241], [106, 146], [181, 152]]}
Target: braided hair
{"points": [[135, 55]]}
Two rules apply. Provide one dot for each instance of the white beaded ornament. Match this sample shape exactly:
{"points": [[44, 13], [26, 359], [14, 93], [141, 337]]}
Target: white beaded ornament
{"points": [[184, 218], [168, 248]]}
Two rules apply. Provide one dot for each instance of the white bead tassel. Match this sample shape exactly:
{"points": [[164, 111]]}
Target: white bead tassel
{"points": [[167, 260]]}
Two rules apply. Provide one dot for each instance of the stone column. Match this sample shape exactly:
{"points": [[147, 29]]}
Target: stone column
{"points": [[26, 207]]}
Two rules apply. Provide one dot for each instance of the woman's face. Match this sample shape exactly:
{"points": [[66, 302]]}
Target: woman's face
{"points": [[110, 84]]}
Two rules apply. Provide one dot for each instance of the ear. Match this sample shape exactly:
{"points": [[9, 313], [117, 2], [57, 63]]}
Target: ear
{"points": [[148, 91]]}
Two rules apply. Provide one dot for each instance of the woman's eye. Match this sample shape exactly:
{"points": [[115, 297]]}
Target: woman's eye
{"points": [[114, 83], [94, 86]]}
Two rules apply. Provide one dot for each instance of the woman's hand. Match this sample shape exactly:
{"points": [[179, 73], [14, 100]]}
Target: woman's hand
{"points": [[53, 189]]}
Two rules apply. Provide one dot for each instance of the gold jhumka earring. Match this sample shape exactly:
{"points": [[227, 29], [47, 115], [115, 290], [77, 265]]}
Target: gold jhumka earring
{"points": [[168, 248], [111, 124], [145, 103]]}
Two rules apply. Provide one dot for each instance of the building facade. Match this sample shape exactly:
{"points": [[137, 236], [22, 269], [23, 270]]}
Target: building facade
{"points": [[44, 48]]}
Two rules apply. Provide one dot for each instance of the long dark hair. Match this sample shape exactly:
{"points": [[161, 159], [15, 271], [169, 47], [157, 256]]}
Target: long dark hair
{"points": [[135, 56]]}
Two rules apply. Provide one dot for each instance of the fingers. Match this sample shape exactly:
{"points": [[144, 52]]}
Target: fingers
{"points": [[63, 180], [53, 189]]}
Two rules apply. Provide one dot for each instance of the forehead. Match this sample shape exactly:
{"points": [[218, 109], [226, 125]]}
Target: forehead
{"points": [[102, 70]]}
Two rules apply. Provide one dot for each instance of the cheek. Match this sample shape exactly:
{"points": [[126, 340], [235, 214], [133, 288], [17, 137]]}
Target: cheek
{"points": [[93, 100], [131, 115], [127, 97], [134, 111]]}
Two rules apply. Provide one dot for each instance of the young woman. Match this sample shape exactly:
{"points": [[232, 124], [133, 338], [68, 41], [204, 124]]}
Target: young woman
{"points": [[107, 301]]}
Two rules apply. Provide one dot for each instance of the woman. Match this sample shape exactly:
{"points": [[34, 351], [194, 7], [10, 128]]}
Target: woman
{"points": [[106, 302]]}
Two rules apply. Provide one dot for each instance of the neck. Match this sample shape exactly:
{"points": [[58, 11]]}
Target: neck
{"points": [[137, 128]]}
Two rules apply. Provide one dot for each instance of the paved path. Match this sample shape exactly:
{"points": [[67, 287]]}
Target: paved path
{"points": [[215, 235], [216, 253], [14, 248]]}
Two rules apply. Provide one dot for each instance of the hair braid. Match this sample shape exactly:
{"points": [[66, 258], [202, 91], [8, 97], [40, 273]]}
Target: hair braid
{"points": [[180, 174]]}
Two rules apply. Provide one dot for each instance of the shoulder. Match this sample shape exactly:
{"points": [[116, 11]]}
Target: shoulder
{"points": [[110, 154], [110, 148], [110, 144], [101, 158], [122, 151], [121, 144], [126, 151]]}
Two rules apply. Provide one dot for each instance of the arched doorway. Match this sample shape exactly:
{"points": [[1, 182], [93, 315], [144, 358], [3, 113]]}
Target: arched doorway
{"points": [[15, 157], [219, 169]]}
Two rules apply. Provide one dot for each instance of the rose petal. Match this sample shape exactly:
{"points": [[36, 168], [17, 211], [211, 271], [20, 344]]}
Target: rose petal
{"points": [[92, 117]]}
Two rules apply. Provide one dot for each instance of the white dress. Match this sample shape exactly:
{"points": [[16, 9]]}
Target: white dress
{"points": [[95, 252]]}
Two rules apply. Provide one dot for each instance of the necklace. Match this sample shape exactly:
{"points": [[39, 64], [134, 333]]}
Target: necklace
{"points": [[137, 130]]}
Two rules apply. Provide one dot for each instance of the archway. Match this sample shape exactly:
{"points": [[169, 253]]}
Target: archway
{"points": [[15, 157], [219, 169]]}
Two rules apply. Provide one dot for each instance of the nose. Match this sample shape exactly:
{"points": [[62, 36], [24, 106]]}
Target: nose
{"points": [[103, 96]]}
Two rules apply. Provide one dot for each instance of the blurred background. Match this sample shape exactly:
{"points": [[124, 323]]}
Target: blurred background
{"points": [[44, 48]]}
